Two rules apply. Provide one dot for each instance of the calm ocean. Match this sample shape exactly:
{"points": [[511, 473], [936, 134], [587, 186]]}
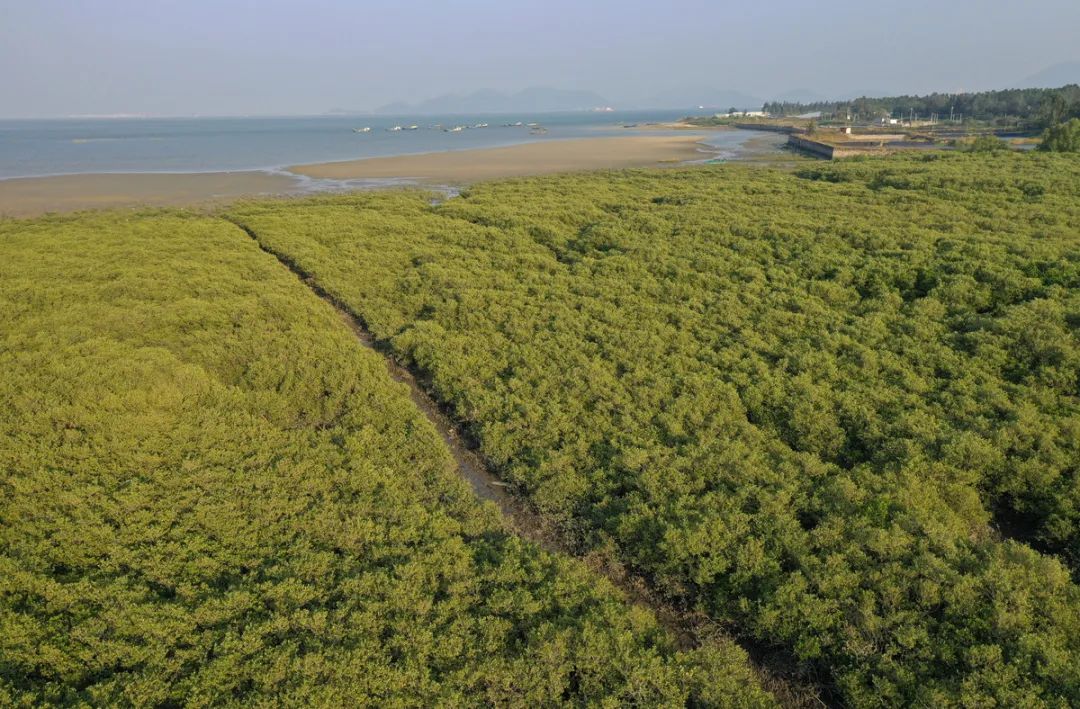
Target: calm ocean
{"points": [[70, 146]]}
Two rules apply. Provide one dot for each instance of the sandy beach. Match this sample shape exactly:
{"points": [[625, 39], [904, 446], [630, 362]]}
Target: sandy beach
{"points": [[22, 197], [515, 160]]}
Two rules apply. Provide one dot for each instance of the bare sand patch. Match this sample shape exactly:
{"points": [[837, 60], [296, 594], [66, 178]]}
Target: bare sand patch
{"points": [[515, 160]]}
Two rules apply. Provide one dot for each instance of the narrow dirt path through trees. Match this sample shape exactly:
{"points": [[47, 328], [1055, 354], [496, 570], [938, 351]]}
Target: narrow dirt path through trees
{"points": [[689, 628]]}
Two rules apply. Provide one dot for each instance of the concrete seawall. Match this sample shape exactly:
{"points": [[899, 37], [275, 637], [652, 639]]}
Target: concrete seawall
{"points": [[806, 145], [829, 151]]}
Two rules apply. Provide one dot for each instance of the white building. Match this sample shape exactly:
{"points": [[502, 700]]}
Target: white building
{"points": [[742, 114]]}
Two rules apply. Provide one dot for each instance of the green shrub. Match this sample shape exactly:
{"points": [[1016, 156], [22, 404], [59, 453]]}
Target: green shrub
{"points": [[808, 407], [211, 494], [987, 143]]}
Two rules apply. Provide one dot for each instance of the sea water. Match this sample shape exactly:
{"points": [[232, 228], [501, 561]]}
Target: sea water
{"points": [[182, 145]]}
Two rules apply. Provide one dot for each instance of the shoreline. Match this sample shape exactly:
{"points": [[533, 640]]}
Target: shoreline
{"points": [[32, 196]]}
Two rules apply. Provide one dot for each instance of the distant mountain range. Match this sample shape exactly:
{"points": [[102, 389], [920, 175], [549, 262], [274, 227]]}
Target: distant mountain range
{"points": [[799, 96], [692, 98], [532, 100], [1053, 77], [540, 100]]}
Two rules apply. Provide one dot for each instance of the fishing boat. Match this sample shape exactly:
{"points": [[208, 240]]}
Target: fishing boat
{"points": [[413, 127], [394, 129], [365, 129]]}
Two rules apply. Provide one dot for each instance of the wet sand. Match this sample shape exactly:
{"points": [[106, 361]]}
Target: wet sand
{"points": [[23, 197], [515, 160], [30, 196]]}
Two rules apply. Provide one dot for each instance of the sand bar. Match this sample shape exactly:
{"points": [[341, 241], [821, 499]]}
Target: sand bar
{"points": [[515, 160], [30, 196]]}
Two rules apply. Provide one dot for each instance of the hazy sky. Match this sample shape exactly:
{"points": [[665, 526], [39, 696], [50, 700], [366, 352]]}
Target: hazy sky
{"points": [[63, 57]]}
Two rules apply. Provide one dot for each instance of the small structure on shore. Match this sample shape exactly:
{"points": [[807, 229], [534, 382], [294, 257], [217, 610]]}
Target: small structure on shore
{"points": [[740, 114]]}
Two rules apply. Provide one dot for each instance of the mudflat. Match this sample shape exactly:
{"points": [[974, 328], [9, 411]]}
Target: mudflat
{"points": [[29, 196], [515, 160]]}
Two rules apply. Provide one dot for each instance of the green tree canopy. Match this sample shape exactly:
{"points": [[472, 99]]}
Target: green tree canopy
{"points": [[1062, 138]]}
